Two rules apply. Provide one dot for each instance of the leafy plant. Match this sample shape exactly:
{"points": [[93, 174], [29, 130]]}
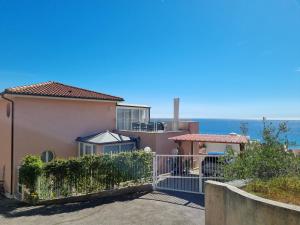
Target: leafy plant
{"points": [[92, 173], [285, 189], [29, 172], [244, 128], [263, 160]]}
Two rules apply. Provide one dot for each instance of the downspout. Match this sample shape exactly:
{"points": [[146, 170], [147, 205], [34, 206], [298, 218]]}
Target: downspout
{"points": [[12, 141]]}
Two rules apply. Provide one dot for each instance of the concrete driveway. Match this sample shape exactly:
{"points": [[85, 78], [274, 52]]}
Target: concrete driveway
{"points": [[142, 209]]}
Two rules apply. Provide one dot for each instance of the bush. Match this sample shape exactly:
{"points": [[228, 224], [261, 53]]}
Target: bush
{"points": [[285, 189], [92, 173], [29, 172], [264, 160]]}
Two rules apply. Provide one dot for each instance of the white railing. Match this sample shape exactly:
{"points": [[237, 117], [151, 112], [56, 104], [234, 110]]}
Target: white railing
{"points": [[186, 173], [153, 126]]}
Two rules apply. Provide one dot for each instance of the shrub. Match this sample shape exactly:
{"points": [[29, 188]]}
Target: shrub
{"points": [[92, 173], [285, 189], [263, 160], [29, 172]]}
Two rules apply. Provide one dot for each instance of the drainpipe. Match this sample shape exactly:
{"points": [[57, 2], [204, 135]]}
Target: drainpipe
{"points": [[12, 141]]}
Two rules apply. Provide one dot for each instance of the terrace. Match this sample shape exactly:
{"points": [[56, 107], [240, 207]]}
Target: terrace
{"points": [[137, 118], [135, 121]]}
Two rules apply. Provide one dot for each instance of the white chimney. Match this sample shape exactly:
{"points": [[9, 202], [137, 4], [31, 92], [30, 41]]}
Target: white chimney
{"points": [[176, 114]]}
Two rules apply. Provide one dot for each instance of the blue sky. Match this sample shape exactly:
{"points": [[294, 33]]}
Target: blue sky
{"points": [[224, 59]]}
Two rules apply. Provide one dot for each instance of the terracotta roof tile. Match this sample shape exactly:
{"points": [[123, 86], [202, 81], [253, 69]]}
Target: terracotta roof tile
{"points": [[55, 89], [213, 138]]}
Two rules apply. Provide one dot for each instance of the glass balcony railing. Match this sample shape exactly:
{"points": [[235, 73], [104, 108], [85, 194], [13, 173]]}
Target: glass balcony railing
{"points": [[149, 127], [152, 126]]}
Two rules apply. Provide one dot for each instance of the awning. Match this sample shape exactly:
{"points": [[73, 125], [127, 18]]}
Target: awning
{"points": [[212, 138]]}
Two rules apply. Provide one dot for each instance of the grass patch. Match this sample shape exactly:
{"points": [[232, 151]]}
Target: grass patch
{"points": [[282, 189]]}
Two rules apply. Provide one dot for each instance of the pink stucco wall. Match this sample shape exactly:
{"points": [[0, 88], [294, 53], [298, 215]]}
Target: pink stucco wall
{"points": [[54, 124], [5, 144], [158, 142]]}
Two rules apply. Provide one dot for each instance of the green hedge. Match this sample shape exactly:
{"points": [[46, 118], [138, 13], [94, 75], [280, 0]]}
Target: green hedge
{"points": [[87, 174]]}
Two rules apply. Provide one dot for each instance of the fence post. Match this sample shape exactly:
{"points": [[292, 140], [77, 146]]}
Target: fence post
{"points": [[154, 159], [200, 176]]}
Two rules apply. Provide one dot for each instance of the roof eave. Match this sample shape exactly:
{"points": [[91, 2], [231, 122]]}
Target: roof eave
{"points": [[220, 142], [60, 97], [105, 143]]}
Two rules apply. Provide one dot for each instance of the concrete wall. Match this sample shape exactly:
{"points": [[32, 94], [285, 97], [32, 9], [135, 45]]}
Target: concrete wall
{"points": [[228, 205], [157, 141], [5, 144], [54, 124]]}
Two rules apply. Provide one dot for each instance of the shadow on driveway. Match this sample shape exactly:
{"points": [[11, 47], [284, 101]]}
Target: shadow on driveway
{"points": [[11, 208], [178, 198]]}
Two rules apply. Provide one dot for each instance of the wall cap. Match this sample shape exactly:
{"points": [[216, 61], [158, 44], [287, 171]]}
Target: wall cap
{"points": [[255, 197]]}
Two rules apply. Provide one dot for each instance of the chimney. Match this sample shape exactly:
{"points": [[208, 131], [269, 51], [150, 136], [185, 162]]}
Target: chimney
{"points": [[176, 114]]}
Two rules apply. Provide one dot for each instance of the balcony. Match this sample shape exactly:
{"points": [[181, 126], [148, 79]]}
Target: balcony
{"points": [[134, 121], [136, 118]]}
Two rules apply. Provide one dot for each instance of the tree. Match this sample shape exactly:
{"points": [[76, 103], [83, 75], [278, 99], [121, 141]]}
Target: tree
{"points": [[263, 160], [244, 128]]}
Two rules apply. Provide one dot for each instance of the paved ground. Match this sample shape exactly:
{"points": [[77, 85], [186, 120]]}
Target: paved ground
{"points": [[154, 208]]}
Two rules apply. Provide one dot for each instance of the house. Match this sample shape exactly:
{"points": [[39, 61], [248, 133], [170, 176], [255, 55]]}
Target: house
{"points": [[296, 152], [56, 120], [209, 143]]}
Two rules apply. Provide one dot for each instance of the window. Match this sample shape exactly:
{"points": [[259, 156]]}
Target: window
{"points": [[117, 148], [128, 116], [87, 149], [81, 151], [127, 147], [111, 149], [47, 156]]}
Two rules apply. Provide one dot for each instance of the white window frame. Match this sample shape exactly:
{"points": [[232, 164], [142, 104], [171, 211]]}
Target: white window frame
{"points": [[119, 145], [84, 145], [131, 109]]}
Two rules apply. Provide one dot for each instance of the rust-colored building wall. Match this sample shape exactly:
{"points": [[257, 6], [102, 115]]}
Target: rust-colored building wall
{"points": [[5, 143]]}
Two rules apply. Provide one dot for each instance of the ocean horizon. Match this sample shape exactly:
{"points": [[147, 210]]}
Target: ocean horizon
{"points": [[255, 127]]}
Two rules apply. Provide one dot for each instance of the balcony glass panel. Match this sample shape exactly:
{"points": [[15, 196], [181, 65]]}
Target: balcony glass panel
{"points": [[132, 118]]}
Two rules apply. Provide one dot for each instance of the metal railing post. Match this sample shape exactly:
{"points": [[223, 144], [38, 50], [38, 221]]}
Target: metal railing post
{"points": [[154, 173], [200, 175]]}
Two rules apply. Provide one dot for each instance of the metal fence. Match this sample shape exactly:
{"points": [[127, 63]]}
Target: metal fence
{"points": [[186, 173], [116, 171]]}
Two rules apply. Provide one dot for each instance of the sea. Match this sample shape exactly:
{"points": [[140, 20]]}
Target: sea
{"points": [[255, 127]]}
